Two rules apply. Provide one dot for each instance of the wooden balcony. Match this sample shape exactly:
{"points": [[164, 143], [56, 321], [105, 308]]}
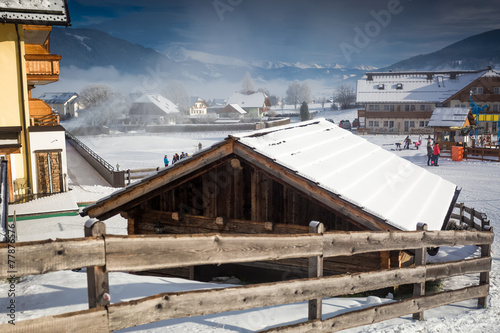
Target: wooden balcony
{"points": [[42, 68], [41, 114], [398, 114]]}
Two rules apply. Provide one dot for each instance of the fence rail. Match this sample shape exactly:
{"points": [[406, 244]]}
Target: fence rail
{"points": [[98, 158], [133, 253]]}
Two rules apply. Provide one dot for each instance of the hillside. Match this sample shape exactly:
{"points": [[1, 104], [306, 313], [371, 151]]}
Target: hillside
{"points": [[87, 48], [475, 52]]}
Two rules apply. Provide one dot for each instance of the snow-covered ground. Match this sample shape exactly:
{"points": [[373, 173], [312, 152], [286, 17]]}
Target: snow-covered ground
{"points": [[61, 292]]}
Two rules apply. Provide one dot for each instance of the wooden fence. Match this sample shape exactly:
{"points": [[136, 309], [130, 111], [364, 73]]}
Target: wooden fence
{"points": [[469, 153], [138, 174], [105, 253], [465, 218]]}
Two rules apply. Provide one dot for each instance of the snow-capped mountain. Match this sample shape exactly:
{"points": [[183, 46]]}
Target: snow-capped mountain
{"points": [[87, 48]]}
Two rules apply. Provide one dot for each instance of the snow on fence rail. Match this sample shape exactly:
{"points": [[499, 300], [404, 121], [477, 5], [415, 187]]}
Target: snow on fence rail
{"points": [[104, 253]]}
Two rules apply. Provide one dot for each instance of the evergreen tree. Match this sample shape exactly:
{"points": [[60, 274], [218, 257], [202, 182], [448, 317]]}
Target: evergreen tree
{"points": [[304, 112]]}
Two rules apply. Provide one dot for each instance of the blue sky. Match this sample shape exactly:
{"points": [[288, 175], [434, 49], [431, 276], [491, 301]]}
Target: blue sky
{"points": [[369, 32]]}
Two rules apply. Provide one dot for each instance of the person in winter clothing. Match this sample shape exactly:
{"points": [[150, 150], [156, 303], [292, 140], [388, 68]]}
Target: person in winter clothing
{"points": [[407, 142], [436, 152], [166, 161], [430, 153]]}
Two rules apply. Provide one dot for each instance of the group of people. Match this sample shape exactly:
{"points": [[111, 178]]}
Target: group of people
{"points": [[407, 142], [175, 158], [433, 152]]}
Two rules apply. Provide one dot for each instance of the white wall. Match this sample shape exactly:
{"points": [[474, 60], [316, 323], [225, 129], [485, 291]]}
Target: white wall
{"points": [[48, 140]]}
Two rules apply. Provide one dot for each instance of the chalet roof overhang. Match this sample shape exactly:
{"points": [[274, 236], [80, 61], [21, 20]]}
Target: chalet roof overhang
{"points": [[53, 12], [127, 199]]}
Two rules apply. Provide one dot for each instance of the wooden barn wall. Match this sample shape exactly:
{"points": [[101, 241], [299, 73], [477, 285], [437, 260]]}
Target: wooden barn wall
{"points": [[237, 190]]}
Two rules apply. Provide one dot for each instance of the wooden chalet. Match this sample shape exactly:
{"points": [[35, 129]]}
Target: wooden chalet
{"points": [[278, 180]]}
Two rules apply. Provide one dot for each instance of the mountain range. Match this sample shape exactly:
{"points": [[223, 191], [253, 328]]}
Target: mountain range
{"points": [[88, 48]]}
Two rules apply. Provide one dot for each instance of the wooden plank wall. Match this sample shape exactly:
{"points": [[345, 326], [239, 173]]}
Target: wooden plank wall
{"points": [[235, 190]]}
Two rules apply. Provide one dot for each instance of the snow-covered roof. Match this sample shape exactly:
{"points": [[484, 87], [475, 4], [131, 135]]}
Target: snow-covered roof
{"points": [[255, 100], [417, 87], [234, 107], [360, 172], [43, 12], [161, 102], [449, 117], [58, 97]]}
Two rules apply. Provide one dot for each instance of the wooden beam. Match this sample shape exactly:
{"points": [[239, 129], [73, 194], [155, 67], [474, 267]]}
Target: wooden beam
{"points": [[376, 314], [420, 258], [97, 277], [315, 309], [42, 257], [93, 320], [181, 304], [310, 189], [202, 224], [484, 277]]}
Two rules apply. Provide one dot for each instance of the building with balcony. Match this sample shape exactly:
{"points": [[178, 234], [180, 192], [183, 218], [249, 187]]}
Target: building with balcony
{"points": [[403, 102], [31, 138], [254, 104]]}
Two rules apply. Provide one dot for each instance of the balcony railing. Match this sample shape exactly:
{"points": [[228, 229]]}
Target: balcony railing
{"points": [[42, 68], [47, 120]]}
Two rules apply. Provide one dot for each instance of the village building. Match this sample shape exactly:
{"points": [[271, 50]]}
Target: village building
{"points": [[278, 180], [64, 104], [403, 102], [198, 107], [153, 109], [232, 111], [452, 125], [31, 138], [254, 104]]}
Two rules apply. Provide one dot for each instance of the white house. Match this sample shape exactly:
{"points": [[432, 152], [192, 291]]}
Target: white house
{"points": [[153, 109], [65, 104], [254, 104]]}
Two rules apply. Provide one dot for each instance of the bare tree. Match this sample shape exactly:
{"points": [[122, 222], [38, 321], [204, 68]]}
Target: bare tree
{"points": [[305, 93], [292, 93], [247, 84], [176, 92], [297, 93], [345, 96], [94, 95]]}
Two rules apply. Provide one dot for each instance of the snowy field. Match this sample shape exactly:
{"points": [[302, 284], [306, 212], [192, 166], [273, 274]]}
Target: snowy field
{"points": [[62, 292]]}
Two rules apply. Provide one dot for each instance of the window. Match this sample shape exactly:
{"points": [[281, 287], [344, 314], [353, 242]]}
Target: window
{"points": [[381, 86], [412, 123], [370, 123], [371, 107], [457, 105], [375, 123], [477, 90], [495, 107], [407, 107], [496, 90], [399, 86], [422, 107], [391, 107], [428, 107], [391, 124], [386, 107], [377, 107], [386, 123], [412, 107], [421, 123]]}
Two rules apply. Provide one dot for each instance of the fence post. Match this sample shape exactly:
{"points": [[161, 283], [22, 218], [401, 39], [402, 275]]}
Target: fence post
{"points": [[420, 258], [472, 224], [316, 270], [97, 277], [462, 209], [484, 278]]}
